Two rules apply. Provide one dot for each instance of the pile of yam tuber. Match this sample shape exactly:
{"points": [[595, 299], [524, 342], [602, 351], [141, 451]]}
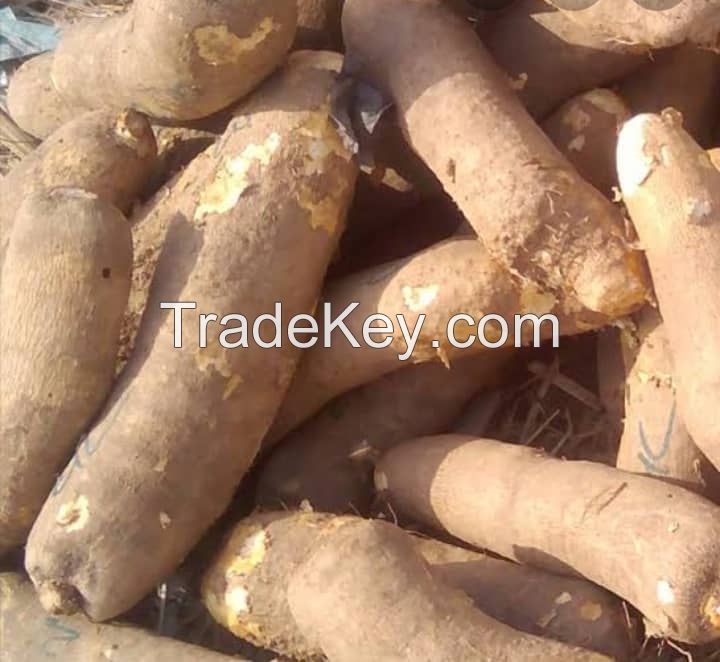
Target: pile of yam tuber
{"points": [[364, 331]]}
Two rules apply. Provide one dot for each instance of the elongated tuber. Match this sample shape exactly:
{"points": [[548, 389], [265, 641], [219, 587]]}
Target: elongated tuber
{"points": [[672, 191], [253, 221], [536, 216], [653, 544], [64, 288], [309, 584], [655, 440], [179, 61], [28, 633], [328, 461]]}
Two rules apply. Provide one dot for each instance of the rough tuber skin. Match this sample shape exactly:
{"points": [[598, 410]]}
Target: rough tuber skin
{"points": [[547, 605], [672, 192], [536, 216], [175, 61], [34, 103], [655, 440], [647, 23], [549, 58], [107, 153], [309, 584], [585, 130], [30, 634], [328, 460], [684, 78], [653, 544], [64, 288], [252, 221], [318, 25], [452, 277]]}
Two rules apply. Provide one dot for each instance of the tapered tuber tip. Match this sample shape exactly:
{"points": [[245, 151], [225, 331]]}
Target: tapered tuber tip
{"points": [[134, 123], [614, 289], [135, 130], [57, 598]]}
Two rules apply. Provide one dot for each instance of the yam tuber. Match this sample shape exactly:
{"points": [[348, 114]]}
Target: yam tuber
{"points": [[654, 544], [540, 603], [672, 191], [179, 61], [106, 153], [655, 440], [310, 584], [534, 213], [328, 461], [252, 221], [585, 130], [453, 277], [29, 634], [65, 285], [34, 103], [652, 23], [549, 58]]}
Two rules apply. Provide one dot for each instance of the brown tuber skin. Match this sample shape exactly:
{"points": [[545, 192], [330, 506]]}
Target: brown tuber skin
{"points": [[655, 441], [184, 424], [672, 192], [308, 584], [534, 213], [585, 130], [550, 59], [65, 285], [563, 608], [30, 83], [611, 382], [30, 635], [106, 153], [714, 155], [477, 415], [684, 78], [648, 23], [328, 461], [175, 61], [453, 277], [318, 25], [655, 545]]}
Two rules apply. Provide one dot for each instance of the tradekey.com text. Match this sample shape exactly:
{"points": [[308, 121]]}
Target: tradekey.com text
{"points": [[378, 331]]}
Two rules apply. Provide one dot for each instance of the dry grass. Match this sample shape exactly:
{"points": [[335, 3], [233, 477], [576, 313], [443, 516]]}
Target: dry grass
{"points": [[63, 12], [555, 405]]}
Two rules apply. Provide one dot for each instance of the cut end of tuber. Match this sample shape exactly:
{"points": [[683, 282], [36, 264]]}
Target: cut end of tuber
{"points": [[711, 612], [381, 481], [134, 129], [634, 163]]}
